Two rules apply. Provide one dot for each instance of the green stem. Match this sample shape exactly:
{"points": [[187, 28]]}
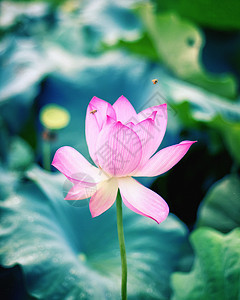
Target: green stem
{"points": [[47, 155], [122, 246]]}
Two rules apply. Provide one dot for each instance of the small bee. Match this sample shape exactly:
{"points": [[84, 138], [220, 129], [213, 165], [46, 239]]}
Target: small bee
{"points": [[154, 81], [93, 111]]}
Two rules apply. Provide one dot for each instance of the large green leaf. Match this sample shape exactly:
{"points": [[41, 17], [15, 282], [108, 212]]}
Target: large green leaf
{"points": [[110, 20], [179, 44], [98, 22], [221, 207], [224, 124], [204, 105], [20, 155], [24, 68], [142, 47], [15, 16], [216, 270], [43, 40], [8, 182], [216, 14], [196, 107], [65, 254], [230, 132]]}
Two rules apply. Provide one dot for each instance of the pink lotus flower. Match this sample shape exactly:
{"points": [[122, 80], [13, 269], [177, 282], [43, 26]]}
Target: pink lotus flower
{"points": [[121, 144]]}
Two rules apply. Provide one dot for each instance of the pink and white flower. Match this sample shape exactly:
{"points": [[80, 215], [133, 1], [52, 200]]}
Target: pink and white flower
{"points": [[122, 144]]}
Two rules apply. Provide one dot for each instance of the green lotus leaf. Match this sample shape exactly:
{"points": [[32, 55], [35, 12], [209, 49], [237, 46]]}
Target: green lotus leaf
{"points": [[204, 106], [24, 68], [221, 206], [215, 273], [179, 45], [65, 254], [142, 47], [20, 155], [224, 124], [221, 15], [230, 132], [195, 107]]}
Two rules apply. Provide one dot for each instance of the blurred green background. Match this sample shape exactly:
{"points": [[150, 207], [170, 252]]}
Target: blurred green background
{"points": [[66, 52]]}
